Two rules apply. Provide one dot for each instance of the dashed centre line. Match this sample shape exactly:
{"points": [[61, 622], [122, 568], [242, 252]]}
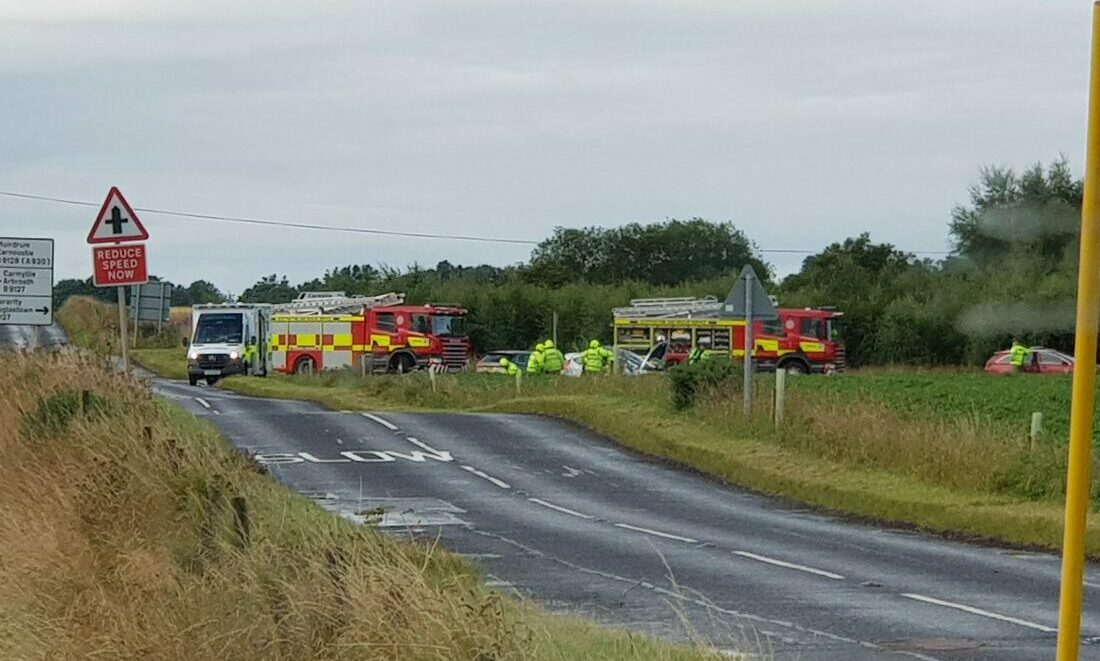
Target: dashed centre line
{"points": [[789, 565], [385, 423], [656, 533], [205, 404], [978, 611], [485, 476], [559, 508]]}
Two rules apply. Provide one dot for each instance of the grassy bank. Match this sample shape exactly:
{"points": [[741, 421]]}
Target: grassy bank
{"points": [[849, 443], [124, 537]]}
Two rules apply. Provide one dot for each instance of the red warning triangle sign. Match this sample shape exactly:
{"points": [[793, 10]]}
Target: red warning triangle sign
{"points": [[116, 222]]}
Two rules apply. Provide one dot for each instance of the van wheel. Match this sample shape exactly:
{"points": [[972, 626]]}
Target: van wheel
{"points": [[193, 380], [211, 380], [305, 366]]}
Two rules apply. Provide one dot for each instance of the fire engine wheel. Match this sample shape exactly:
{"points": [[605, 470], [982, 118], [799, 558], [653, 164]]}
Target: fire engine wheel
{"points": [[402, 364], [795, 366], [305, 366]]}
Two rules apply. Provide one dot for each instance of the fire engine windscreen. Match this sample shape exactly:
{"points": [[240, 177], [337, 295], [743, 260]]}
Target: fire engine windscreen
{"points": [[448, 325], [836, 330], [219, 329]]}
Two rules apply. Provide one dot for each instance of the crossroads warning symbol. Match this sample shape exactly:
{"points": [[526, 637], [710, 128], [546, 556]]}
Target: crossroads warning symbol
{"points": [[116, 222]]}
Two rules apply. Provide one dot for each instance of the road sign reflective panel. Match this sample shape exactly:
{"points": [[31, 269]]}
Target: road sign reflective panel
{"points": [[26, 282], [116, 222], [120, 265]]}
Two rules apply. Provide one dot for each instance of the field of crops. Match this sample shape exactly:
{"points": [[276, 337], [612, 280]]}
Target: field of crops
{"points": [[1001, 402]]}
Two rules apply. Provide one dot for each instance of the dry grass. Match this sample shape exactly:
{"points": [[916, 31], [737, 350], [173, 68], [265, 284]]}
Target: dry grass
{"points": [[120, 545]]}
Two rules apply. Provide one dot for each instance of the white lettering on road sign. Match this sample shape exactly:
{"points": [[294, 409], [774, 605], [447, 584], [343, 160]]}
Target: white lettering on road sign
{"points": [[353, 456]]}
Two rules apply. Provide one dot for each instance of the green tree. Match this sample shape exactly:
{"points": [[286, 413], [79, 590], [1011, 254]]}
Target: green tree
{"points": [[270, 289], [663, 254], [1036, 213]]}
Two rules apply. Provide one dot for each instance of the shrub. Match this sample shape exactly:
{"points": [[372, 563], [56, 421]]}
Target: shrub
{"points": [[688, 381]]}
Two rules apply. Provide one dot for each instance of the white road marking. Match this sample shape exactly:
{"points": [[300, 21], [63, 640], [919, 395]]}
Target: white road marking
{"points": [[564, 510], [978, 611], [421, 444], [658, 533], [385, 423], [205, 404], [217, 412], [500, 483], [789, 565], [680, 595], [480, 556]]}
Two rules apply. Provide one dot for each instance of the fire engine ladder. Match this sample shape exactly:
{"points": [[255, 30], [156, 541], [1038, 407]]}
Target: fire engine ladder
{"points": [[684, 307], [310, 305]]}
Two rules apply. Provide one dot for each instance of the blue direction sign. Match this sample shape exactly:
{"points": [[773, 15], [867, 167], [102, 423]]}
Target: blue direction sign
{"points": [[26, 282]]}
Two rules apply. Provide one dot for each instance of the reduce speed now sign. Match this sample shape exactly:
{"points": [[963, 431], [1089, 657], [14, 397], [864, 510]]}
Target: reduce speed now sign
{"points": [[123, 262], [120, 265]]}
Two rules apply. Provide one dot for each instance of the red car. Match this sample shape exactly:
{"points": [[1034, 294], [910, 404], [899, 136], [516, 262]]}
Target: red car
{"points": [[1041, 361]]}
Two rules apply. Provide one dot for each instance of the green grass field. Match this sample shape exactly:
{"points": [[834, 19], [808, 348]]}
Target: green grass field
{"points": [[996, 401]]}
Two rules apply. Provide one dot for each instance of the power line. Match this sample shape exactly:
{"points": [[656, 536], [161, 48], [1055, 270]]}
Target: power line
{"points": [[360, 230]]}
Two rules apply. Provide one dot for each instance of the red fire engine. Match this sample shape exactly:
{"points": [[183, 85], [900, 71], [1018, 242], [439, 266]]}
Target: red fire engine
{"points": [[326, 330], [801, 340]]}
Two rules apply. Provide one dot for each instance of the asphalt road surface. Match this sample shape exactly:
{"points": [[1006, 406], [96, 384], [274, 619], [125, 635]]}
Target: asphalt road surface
{"points": [[565, 517], [28, 338]]}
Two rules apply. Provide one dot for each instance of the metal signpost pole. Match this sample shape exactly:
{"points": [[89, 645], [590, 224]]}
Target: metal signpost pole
{"points": [[122, 326], [748, 344], [135, 305], [1084, 377]]}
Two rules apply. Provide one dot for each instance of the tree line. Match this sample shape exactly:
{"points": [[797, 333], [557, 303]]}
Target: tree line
{"points": [[1011, 272]]}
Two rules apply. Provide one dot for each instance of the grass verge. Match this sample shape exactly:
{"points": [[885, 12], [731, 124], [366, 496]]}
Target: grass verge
{"points": [[123, 520]]}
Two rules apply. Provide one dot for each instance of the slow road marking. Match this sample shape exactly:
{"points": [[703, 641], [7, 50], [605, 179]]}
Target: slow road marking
{"points": [[978, 611], [656, 533], [354, 456], [385, 423], [421, 444], [789, 565]]}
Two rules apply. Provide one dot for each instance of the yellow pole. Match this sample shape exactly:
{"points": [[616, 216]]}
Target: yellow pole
{"points": [[1084, 376]]}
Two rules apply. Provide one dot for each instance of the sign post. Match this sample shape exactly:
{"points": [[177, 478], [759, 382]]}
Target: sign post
{"points": [[26, 282], [119, 265], [747, 300]]}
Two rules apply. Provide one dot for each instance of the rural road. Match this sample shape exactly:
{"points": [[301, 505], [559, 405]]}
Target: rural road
{"points": [[580, 525]]}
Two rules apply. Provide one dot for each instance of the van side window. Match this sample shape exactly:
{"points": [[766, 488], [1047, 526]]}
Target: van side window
{"points": [[420, 323], [386, 321]]}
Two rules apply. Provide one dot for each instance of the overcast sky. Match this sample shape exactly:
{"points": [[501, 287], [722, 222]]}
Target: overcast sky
{"points": [[802, 121]]}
